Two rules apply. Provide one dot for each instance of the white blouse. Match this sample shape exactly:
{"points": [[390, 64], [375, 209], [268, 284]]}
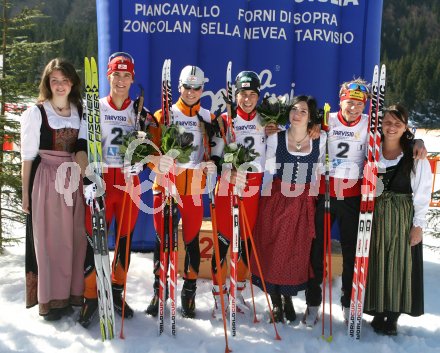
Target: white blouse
{"points": [[31, 121], [421, 184]]}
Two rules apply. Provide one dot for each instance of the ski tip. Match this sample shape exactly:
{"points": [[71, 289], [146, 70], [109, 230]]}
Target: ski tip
{"points": [[92, 62]]}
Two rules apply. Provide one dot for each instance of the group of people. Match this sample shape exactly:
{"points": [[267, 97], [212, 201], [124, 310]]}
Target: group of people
{"points": [[285, 218]]}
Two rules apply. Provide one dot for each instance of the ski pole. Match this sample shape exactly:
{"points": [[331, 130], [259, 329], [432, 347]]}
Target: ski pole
{"points": [[215, 236], [246, 246], [254, 249], [327, 232], [127, 254], [217, 262]]}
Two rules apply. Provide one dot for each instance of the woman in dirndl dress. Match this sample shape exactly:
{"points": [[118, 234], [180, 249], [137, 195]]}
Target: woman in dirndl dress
{"points": [[395, 272], [52, 194], [285, 225]]}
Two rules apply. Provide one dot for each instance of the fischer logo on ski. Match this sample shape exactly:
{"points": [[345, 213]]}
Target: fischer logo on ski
{"points": [[97, 208]]}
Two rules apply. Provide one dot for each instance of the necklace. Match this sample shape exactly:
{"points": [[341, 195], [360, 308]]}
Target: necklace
{"points": [[298, 144], [58, 108]]}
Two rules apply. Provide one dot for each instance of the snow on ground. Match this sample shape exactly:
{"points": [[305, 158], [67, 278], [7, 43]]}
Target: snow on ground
{"points": [[22, 330]]}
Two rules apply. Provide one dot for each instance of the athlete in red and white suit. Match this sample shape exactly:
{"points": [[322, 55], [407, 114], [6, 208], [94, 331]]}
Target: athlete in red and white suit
{"points": [[251, 133], [117, 118], [347, 143]]}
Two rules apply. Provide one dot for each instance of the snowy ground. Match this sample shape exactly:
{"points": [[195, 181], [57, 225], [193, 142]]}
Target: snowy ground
{"points": [[22, 330]]}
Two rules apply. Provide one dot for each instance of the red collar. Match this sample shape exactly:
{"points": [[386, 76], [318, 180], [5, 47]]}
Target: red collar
{"points": [[124, 105], [348, 123], [245, 115]]}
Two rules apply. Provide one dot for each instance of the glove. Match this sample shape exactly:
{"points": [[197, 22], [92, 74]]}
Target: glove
{"points": [[165, 164], [210, 168], [90, 193], [213, 129], [134, 169], [240, 181]]}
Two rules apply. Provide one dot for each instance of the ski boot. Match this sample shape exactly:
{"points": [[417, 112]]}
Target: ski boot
{"points": [[311, 316], [289, 310], [277, 308], [117, 302], [217, 310], [89, 312], [188, 297], [242, 306]]}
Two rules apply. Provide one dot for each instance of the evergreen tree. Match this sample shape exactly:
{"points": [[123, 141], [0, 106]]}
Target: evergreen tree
{"points": [[411, 50], [18, 81]]}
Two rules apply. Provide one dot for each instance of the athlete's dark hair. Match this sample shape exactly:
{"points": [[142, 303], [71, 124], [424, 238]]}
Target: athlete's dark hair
{"points": [[400, 113], [69, 72]]}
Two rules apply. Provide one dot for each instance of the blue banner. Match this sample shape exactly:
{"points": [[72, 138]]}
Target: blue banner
{"points": [[296, 46]]}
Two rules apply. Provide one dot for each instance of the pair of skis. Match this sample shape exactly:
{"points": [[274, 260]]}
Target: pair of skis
{"points": [[367, 204], [97, 208], [169, 245], [236, 241]]}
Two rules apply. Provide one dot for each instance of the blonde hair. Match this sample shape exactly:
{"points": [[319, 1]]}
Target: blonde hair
{"points": [[359, 81]]}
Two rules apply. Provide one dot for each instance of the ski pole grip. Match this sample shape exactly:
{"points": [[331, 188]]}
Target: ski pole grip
{"points": [[325, 115]]}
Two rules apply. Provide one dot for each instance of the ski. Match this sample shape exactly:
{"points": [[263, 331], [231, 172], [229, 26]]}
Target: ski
{"points": [[164, 246], [173, 222], [213, 212], [169, 247], [234, 260], [367, 204], [229, 98], [235, 213], [97, 208], [173, 264]]}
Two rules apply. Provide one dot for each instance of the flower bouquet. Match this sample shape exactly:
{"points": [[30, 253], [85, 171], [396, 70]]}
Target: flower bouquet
{"points": [[136, 146], [237, 154], [177, 141], [274, 110]]}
